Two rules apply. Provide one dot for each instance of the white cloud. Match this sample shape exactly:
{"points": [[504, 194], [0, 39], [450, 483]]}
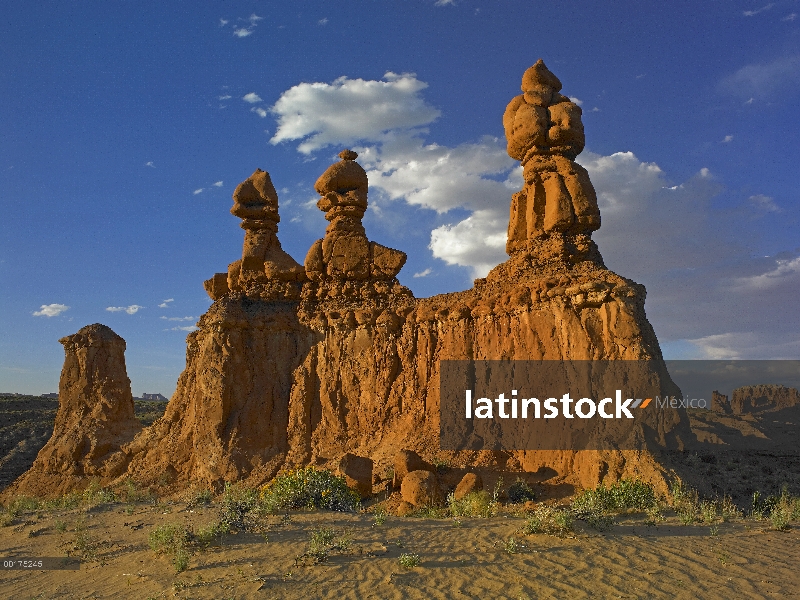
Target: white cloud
{"points": [[424, 273], [165, 303], [259, 111], [50, 310], [478, 242], [254, 18], [764, 203], [217, 184], [149, 163], [225, 97], [222, 22], [131, 310], [439, 177], [764, 80], [179, 318], [576, 100], [785, 274], [198, 191], [186, 328], [727, 139], [323, 21], [242, 32], [349, 110], [252, 98], [745, 345], [595, 109], [750, 13], [445, 3], [790, 17]]}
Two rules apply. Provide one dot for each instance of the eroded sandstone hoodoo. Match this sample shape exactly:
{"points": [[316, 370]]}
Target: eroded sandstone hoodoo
{"points": [[265, 270], [95, 416], [295, 364]]}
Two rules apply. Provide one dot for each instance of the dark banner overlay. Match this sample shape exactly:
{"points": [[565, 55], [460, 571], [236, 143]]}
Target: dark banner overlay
{"points": [[593, 405]]}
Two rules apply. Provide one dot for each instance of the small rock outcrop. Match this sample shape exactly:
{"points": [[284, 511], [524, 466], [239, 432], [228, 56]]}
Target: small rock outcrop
{"points": [[95, 417]]}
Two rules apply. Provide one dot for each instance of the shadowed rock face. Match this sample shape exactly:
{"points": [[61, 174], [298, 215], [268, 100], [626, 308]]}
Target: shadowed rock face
{"points": [[95, 416], [294, 365]]}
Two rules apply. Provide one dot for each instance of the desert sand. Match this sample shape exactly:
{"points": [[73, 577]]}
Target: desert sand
{"points": [[744, 559]]}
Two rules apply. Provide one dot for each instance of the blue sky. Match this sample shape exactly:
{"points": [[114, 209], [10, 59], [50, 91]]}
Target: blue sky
{"points": [[124, 130]]}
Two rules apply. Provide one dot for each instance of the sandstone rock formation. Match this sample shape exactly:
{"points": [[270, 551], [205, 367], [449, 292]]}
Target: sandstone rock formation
{"points": [[544, 131], [758, 398], [265, 270], [95, 417], [357, 472], [295, 365]]}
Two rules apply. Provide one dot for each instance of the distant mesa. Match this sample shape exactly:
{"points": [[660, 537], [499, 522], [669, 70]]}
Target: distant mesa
{"points": [[158, 397], [335, 363]]}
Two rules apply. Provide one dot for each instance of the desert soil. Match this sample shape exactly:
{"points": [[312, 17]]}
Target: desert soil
{"points": [[743, 559]]}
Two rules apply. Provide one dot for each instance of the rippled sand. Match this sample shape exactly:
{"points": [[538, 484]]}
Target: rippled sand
{"points": [[745, 559]]}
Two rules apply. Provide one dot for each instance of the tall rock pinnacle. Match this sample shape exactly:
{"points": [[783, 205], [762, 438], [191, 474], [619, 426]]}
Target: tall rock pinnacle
{"points": [[544, 131]]}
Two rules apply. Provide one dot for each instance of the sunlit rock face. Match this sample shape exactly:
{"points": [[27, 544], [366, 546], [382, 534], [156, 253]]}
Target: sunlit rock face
{"points": [[297, 364]]}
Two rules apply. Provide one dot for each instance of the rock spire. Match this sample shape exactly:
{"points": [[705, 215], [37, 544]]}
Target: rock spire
{"points": [[265, 270], [544, 131]]}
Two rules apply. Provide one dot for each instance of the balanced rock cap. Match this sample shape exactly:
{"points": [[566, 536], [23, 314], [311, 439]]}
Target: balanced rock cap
{"points": [[343, 176], [256, 198], [539, 76]]}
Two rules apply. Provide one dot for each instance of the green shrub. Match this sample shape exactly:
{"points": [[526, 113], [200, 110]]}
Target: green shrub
{"points": [[213, 531], [597, 520], [323, 541], [549, 520], [686, 502], [623, 495], [761, 507], [132, 492], [236, 502], [309, 487], [520, 492], [409, 560], [474, 504], [784, 510], [708, 511], [728, 510], [379, 516], [172, 540]]}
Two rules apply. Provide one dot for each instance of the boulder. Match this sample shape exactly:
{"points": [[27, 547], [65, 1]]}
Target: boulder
{"points": [[357, 471], [405, 462], [421, 488], [471, 482]]}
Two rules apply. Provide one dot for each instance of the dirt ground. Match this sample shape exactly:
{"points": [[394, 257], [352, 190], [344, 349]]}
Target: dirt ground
{"points": [[471, 559]]}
